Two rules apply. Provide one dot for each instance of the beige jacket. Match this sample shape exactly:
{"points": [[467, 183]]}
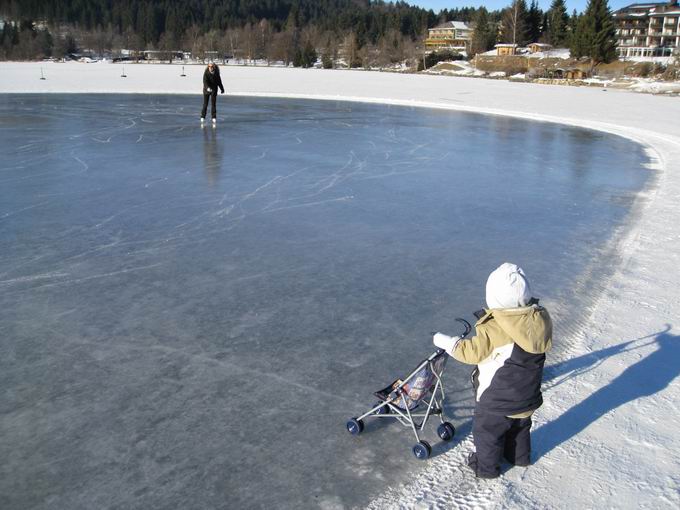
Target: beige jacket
{"points": [[509, 349]]}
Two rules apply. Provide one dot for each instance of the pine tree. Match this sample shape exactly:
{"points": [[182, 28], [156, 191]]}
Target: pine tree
{"points": [[571, 27], [483, 36], [558, 20], [595, 35], [534, 19]]}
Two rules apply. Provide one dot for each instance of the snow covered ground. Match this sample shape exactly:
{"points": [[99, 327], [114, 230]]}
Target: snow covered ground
{"points": [[606, 436]]}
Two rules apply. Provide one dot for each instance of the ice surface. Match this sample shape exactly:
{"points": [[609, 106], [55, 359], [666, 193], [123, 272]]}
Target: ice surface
{"points": [[189, 315]]}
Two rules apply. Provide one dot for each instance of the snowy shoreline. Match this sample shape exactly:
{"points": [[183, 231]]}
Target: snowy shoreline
{"points": [[607, 426]]}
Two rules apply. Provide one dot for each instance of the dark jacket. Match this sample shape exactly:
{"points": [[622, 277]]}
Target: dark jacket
{"points": [[509, 351], [212, 81]]}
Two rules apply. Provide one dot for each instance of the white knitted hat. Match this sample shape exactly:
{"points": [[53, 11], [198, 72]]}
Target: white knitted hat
{"points": [[507, 287]]}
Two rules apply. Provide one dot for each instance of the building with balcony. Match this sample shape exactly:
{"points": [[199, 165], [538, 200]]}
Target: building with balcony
{"points": [[452, 35], [648, 30]]}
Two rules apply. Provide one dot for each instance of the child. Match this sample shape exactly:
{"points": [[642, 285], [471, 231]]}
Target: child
{"points": [[509, 348]]}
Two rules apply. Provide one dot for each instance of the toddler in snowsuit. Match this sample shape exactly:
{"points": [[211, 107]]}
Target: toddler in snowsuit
{"points": [[512, 337]]}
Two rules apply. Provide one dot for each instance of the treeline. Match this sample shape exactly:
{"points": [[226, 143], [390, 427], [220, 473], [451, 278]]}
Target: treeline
{"points": [[360, 32], [151, 18]]}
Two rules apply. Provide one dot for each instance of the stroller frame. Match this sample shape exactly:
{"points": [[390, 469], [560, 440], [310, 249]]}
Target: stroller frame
{"points": [[394, 403], [402, 413]]}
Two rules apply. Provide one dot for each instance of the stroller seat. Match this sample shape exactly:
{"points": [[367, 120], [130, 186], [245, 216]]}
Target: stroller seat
{"points": [[420, 383]]}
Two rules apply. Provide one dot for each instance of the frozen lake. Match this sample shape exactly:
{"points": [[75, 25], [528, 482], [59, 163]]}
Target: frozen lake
{"points": [[190, 315]]}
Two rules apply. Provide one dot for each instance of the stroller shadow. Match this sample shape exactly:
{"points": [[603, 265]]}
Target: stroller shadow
{"points": [[648, 376]]}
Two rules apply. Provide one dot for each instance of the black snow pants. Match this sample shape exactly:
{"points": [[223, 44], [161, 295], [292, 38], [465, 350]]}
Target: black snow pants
{"points": [[213, 110], [497, 436]]}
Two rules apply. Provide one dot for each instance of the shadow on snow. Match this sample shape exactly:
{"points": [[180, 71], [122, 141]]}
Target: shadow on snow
{"points": [[648, 376]]}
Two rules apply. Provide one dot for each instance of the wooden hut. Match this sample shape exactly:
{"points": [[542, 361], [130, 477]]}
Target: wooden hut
{"points": [[506, 49]]}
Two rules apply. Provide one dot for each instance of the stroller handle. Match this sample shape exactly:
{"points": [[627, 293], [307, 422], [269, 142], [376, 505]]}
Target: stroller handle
{"points": [[465, 324], [467, 327]]}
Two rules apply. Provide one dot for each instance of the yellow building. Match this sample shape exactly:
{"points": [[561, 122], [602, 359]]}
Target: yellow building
{"points": [[452, 35]]}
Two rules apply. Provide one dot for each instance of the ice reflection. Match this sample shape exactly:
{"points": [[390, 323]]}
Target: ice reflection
{"points": [[212, 155]]}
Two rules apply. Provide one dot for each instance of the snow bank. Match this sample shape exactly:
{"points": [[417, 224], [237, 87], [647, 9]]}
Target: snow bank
{"points": [[656, 87], [455, 68], [562, 53], [606, 436]]}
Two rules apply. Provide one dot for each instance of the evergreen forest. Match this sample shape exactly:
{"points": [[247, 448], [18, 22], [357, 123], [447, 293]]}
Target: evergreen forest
{"points": [[359, 33]]}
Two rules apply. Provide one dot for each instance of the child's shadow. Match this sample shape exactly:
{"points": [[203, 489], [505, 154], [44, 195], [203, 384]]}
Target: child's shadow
{"points": [[646, 377]]}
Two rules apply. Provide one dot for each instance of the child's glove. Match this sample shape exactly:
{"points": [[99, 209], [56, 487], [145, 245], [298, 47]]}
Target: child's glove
{"points": [[448, 343]]}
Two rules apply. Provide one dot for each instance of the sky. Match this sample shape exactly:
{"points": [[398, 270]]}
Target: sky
{"points": [[579, 5]]}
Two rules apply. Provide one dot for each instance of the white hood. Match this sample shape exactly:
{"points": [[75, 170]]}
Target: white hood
{"points": [[507, 287]]}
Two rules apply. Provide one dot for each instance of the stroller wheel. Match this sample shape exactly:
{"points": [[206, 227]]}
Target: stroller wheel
{"points": [[382, 410], [446, 431], [422, 450], [355, 427]]}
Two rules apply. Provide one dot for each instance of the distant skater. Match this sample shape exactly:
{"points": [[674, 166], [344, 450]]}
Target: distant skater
{"points": [[211, 81]]}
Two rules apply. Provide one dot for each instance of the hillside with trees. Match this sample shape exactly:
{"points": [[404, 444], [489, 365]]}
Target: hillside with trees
{"points": [[249, 29], [358, 33]]}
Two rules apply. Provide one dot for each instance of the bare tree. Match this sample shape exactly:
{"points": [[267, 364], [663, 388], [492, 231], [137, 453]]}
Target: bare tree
{"points": [[350, 48], [264, 40], [118, 45], [222, 46], [283, 46], [329, 54], [249, 41], [136, 45], [168, 45], [211, 42], [99, 41], [411, 53], [391, 48], [514, 24], [311, 34], [233, 40], [191, 40], [370, 56]]}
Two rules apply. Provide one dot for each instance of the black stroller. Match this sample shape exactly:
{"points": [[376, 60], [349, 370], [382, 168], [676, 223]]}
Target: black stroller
{"points": [[402, 397]]}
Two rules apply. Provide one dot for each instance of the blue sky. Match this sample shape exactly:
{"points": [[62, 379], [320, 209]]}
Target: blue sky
{"points": [[579, 5]]}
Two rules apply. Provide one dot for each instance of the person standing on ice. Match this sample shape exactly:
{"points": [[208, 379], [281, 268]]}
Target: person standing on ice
{"points": [[512, 337], [211, 82]]}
